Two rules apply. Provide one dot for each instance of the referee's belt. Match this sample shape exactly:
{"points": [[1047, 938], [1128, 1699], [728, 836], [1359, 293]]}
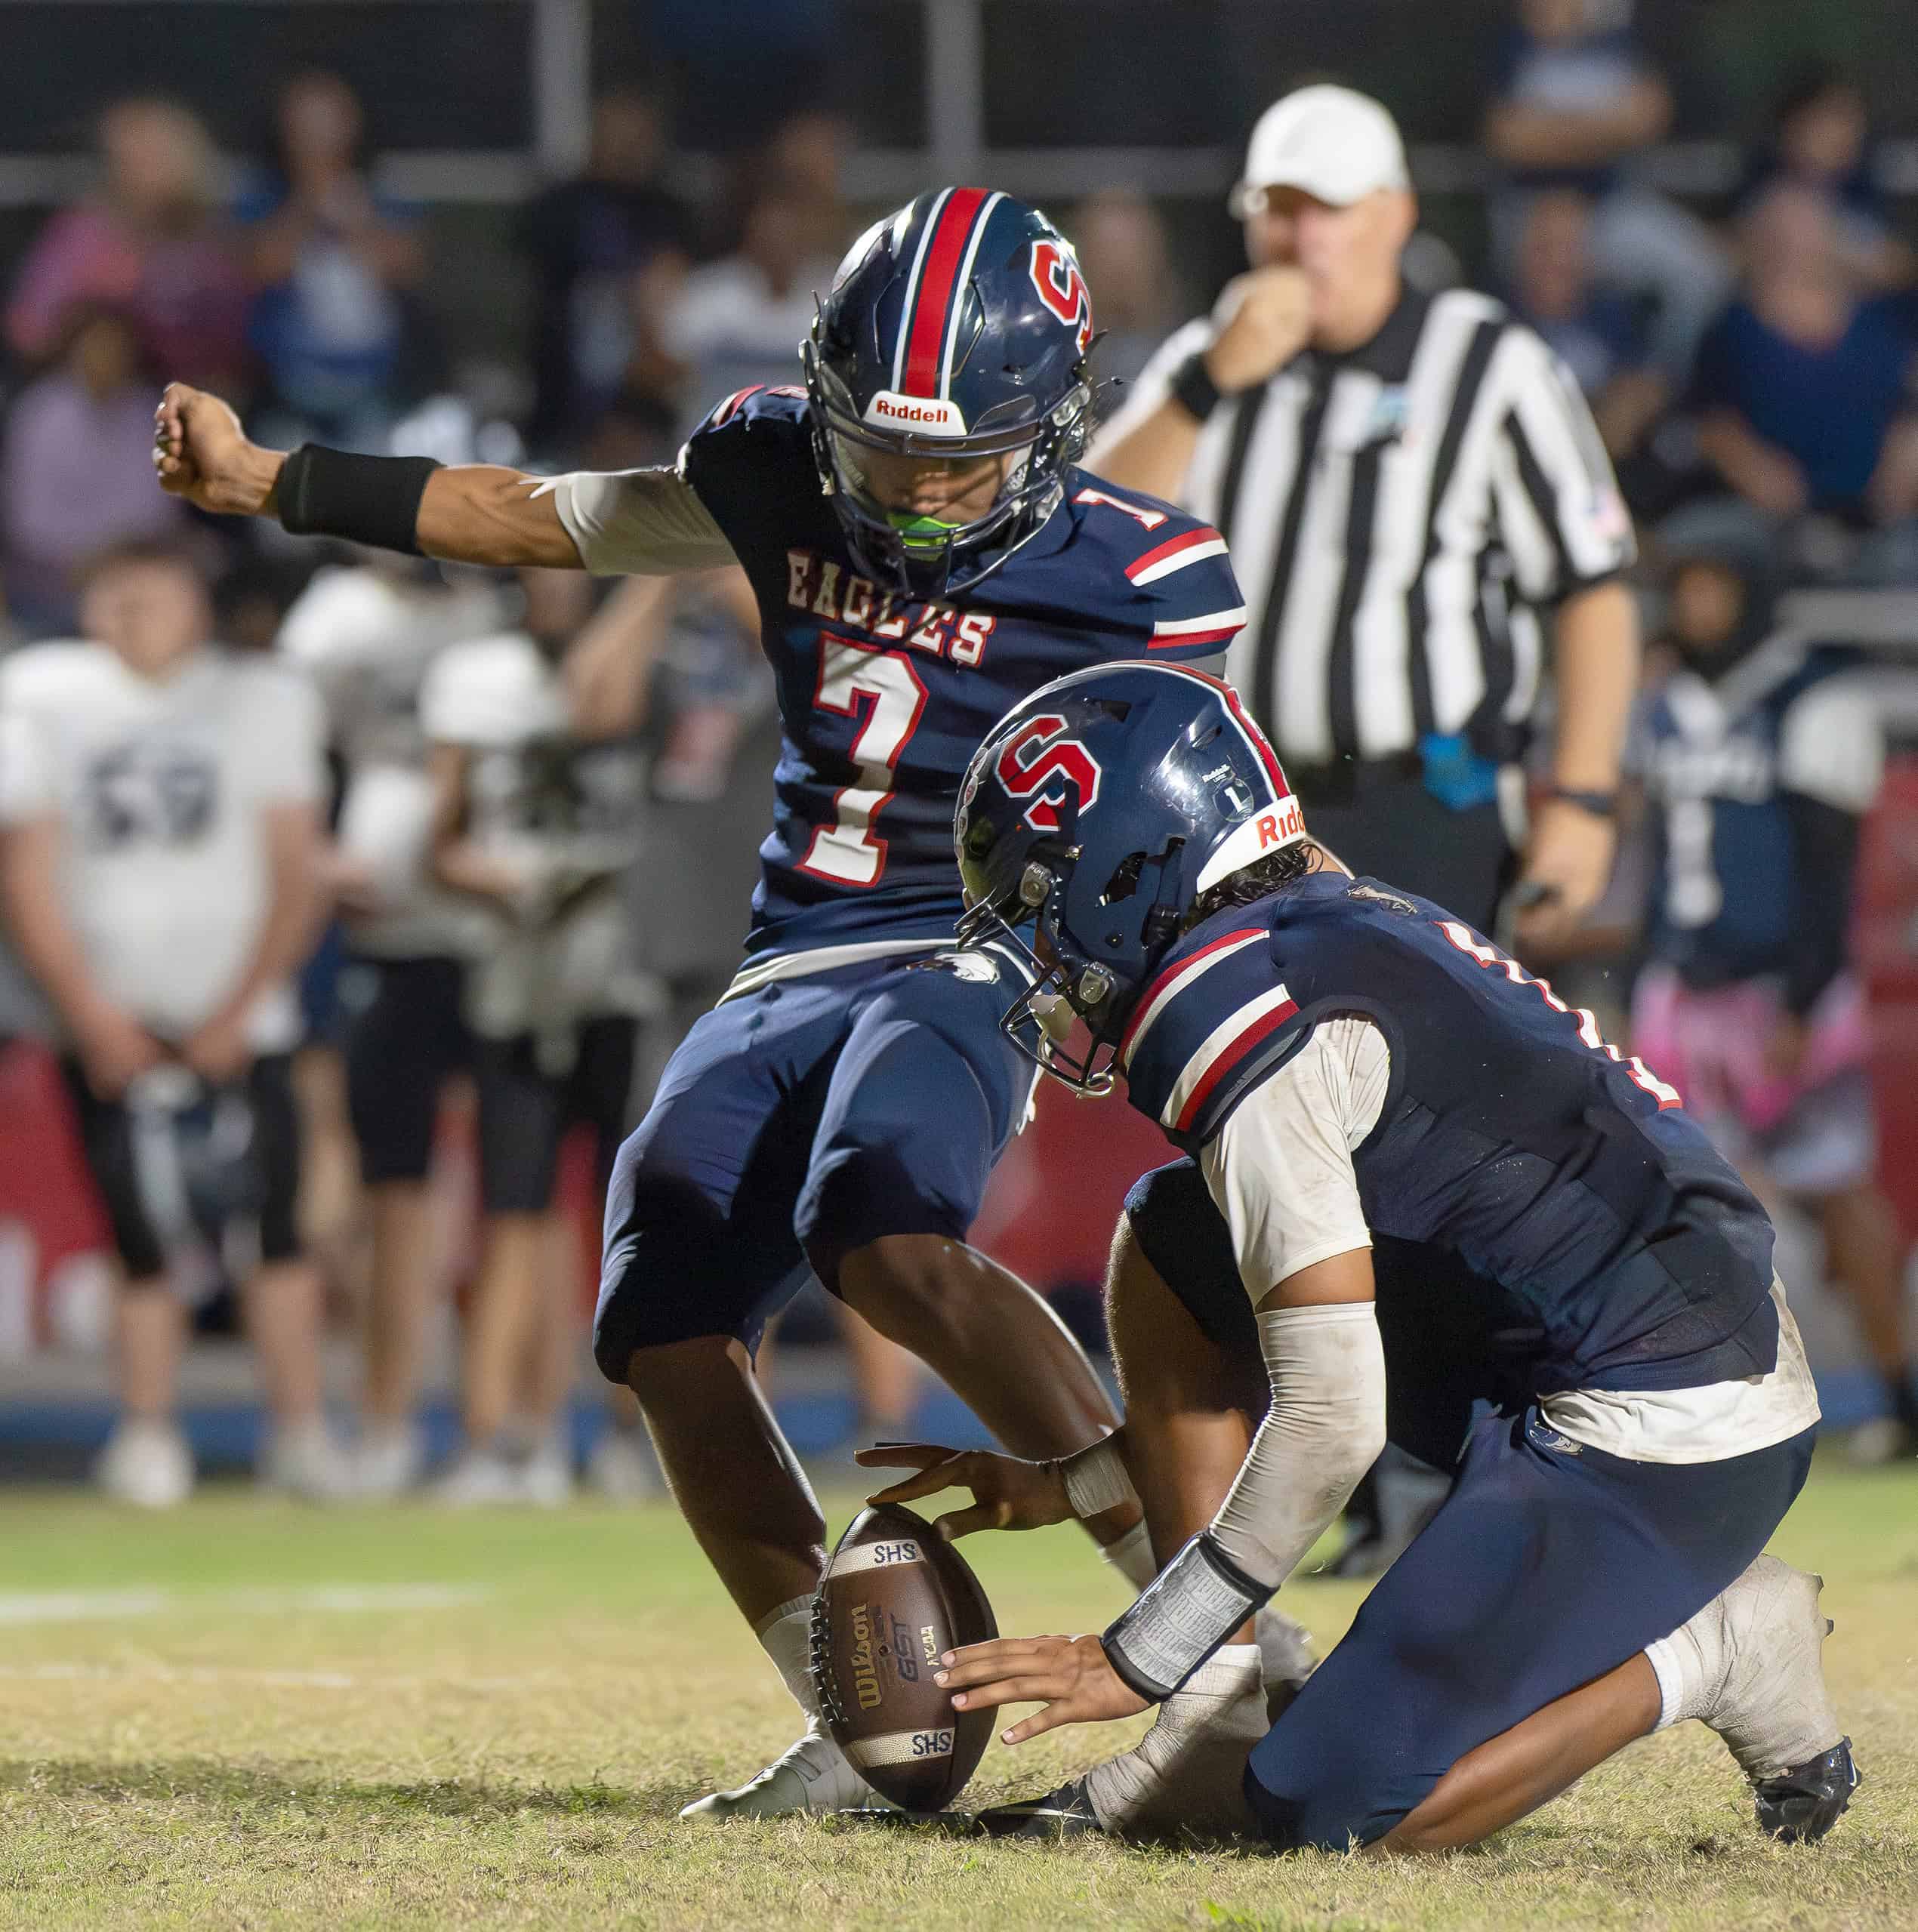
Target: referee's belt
{"points": [[1458, 776], [1345, 780]]}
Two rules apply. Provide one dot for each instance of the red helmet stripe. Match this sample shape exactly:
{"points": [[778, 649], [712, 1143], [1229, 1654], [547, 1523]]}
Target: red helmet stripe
{"points": [[937, 287]]}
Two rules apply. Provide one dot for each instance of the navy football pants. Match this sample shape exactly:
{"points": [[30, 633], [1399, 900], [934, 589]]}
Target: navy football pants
{"points": [[794, 1125], [1549, 1564]]}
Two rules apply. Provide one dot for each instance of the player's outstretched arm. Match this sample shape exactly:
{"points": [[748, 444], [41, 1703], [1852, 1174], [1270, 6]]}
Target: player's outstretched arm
{"points": [[477, 513]]}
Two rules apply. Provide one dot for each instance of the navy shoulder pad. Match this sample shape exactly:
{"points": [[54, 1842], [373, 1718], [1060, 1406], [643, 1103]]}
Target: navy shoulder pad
{"points": [[1169, 571]]}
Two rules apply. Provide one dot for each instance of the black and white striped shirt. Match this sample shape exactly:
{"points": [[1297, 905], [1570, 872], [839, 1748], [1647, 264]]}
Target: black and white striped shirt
{"points": [[1399, 517]]}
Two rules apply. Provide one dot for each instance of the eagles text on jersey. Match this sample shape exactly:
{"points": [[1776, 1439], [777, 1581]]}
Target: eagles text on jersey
{"points": [[883, 699]]}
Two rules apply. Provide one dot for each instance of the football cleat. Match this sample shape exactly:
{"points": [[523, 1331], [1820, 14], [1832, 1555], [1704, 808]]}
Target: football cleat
{"points": [[811, 1776], [1770, 1704], [1801, 1805], [1066, 1813]]}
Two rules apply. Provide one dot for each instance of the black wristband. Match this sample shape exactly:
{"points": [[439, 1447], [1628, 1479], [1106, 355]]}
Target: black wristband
{"points": [[1193, 388], [1181, 1617], [364, 499], [1600, 804]]}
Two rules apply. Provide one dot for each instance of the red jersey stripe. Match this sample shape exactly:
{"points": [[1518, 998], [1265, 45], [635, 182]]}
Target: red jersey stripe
{"points": [[1171, 547], [1152, 993], [1232, 1057], [946, 250]]}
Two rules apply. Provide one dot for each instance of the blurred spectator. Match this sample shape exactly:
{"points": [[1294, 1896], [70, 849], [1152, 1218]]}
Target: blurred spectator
{"points": [[1576, 98], [537, 825], [1802, 389], [1760, 758], [160, 800], [366, 632], [609, 249], [739, 321], [805, 159], [77, 471], [1598, 335], [1820, 140], [1137, 299], [333, 261], [149, 243]]}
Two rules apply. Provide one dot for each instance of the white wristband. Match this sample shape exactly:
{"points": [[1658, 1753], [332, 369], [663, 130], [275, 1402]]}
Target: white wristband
{"points": [[1096, 1479]]}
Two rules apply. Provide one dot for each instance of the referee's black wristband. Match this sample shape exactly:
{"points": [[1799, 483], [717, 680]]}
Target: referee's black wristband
{"points": [[372, 500], [1193, 388], [1600, 804]]}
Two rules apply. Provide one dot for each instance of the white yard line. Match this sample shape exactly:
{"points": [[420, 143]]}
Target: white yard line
{"points": [[288, 1679], [27, 1607]]}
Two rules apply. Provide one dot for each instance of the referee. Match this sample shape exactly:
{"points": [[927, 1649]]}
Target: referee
{"points": [[1412, 488]]}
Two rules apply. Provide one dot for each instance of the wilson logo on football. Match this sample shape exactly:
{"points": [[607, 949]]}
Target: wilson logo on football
{"points": [[1062, 288], [1038, 764]]}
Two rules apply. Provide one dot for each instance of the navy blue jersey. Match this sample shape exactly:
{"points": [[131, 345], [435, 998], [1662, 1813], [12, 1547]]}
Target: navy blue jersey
{"points": [[1723, 761], [884, 700], [1630, 1256]]}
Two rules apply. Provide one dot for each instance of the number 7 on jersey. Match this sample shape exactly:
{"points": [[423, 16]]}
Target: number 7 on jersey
{"points": [[848, 852]]}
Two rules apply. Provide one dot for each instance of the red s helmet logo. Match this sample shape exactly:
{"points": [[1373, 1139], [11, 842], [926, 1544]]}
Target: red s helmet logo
{"points": [[1037, 763], [1062, 288]]}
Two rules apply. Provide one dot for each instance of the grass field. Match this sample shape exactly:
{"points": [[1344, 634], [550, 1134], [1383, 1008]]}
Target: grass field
{"points": [[243, 1716]]}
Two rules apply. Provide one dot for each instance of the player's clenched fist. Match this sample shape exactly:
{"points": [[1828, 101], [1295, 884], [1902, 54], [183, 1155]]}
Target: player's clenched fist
{"points": [[200, 452], [1265, 317]]}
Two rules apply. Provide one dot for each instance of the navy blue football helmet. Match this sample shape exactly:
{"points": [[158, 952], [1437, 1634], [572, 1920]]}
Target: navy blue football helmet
{"points": [[1100, 811], [957, 329]]}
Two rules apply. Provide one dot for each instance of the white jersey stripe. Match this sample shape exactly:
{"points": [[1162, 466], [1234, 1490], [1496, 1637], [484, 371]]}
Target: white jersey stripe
{"points": [[957, 304], [1188, 626], [912, 287], [1200, 963], [1217, 1043], [1198, 553]]}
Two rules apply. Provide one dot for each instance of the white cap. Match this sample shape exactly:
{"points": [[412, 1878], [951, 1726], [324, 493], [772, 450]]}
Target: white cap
{"points": [[1336, 144]]}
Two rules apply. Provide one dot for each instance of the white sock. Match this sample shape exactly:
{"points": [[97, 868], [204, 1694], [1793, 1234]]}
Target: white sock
{"points": [[1186, 1771], [1689, 1666], [786, 1634], [1131, 1556]]}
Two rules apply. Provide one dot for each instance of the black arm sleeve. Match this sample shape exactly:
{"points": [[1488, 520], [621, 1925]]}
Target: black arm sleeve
{"points": [[1825, 845]]}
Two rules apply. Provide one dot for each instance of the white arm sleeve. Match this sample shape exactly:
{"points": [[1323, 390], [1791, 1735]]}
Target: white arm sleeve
{"points": [[1280, 1169], [637, 522], [1324, 1429]]}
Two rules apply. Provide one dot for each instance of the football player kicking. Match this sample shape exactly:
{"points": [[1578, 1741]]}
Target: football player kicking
{"points": [[924, 553], [1440, 1208]]}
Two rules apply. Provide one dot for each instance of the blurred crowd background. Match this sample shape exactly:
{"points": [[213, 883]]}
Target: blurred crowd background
{"points": [[553, 233]]}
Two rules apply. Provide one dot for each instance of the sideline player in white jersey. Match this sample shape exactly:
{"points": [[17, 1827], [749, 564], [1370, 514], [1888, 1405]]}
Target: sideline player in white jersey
{"points": [[161, 801], [536, 823], [366, 632]]}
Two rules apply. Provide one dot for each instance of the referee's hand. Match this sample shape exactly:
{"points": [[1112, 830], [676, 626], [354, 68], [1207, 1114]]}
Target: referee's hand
{"points": [[1264, 319], [1567, 865]]}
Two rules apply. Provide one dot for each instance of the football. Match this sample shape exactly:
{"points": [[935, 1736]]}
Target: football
{"points": [[895, 1597]]}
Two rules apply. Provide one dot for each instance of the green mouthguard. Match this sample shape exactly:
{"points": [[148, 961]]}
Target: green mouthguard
{"points": [[923, 532]]}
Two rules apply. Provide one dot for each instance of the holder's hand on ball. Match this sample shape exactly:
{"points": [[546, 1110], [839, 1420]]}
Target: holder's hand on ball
{"points": [[1007, 1493], [1069, 1675]]}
